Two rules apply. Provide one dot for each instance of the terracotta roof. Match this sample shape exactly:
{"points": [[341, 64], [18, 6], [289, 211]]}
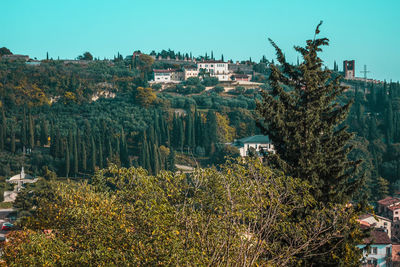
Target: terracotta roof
{"points": [[394, 207], [164, 71], [389, 201], [212, 61], [378, 236]]}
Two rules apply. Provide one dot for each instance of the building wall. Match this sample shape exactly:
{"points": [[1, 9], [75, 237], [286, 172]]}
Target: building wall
{"points": [[191, 73], [219, 70], [381, 254], [380, 224], [162, 77], [266, 147]]}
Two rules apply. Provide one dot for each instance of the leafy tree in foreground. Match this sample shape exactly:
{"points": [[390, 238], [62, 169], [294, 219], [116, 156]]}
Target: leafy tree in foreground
{"points": [[302, 116], [241, 215], [303, 119]]}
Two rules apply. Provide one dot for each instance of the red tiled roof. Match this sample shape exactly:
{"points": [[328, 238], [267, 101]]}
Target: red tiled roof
{"points": [[164, 71], [212, 61], [389, 201], [394, 207], [378, 237]]}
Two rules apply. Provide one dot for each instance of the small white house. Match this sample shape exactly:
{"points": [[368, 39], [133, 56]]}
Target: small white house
{"points": [[257, 142]]}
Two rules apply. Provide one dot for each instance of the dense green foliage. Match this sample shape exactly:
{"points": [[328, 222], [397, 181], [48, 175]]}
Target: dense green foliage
{"points": [[240, 215]]}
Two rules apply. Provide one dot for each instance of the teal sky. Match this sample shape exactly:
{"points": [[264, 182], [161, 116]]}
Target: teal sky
{"points": [[365, 30]]}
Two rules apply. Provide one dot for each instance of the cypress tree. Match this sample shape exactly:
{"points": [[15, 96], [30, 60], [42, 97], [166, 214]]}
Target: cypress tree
{"points": [[23, 129], [171, 161], [13, 141], [31, 132], [84, 158], [4, 125], [303, 117], [100, 155], [189, 132], [76, 161], [1, 139], [389, 123], [123, 150], [44, 133], [93, 158], [67, 160]]}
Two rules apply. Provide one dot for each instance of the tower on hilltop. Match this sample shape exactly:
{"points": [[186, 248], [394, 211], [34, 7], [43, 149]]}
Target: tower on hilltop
{"points": [[349, 69]]}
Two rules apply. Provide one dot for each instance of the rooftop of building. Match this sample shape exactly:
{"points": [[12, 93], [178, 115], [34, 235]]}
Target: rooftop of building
{"points": [[255, 139], [164, 70], [388, 201], [213, 61], [378, 236]]}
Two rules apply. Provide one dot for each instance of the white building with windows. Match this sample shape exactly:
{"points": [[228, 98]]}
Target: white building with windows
{"points": [[260, 144], [190, 72], [167, 76], [216, 68]]}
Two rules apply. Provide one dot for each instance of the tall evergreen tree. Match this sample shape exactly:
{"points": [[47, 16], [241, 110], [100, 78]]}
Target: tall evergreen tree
{"points": [[67, 160], [84, 158], [23, 130], [93, 158], [302, 117], [76, 160], [12, 147], [304, 124], [31, 132], [44, 133]]}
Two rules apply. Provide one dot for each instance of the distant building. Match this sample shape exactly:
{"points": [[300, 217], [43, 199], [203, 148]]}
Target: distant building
{"points": [[377, 222], [215, 68], [257, 142], [190, 71], [15, 57], [389, 207], [379, 252], [241, 77], [349, 69], [240, 68], [21, 179], [167, 75]]}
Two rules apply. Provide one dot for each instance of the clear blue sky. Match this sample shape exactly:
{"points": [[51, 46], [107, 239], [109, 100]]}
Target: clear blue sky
{"points": [[365, 30]]}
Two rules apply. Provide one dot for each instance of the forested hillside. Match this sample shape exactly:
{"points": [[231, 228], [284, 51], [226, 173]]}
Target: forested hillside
{"points": [[75, 118]]}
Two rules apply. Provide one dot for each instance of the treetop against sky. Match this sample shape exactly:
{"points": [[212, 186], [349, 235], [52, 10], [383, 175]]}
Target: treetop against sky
{"points": [[366, 31]]}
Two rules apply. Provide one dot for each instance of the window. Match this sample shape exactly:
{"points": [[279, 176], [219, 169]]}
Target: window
{"points": [[388, 252], [396, 212], [374, 250], [385, 223]]}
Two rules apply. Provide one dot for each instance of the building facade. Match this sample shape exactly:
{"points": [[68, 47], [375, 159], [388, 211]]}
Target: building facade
{"points": [[349, 69], [258, 143], [215, 68]]}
